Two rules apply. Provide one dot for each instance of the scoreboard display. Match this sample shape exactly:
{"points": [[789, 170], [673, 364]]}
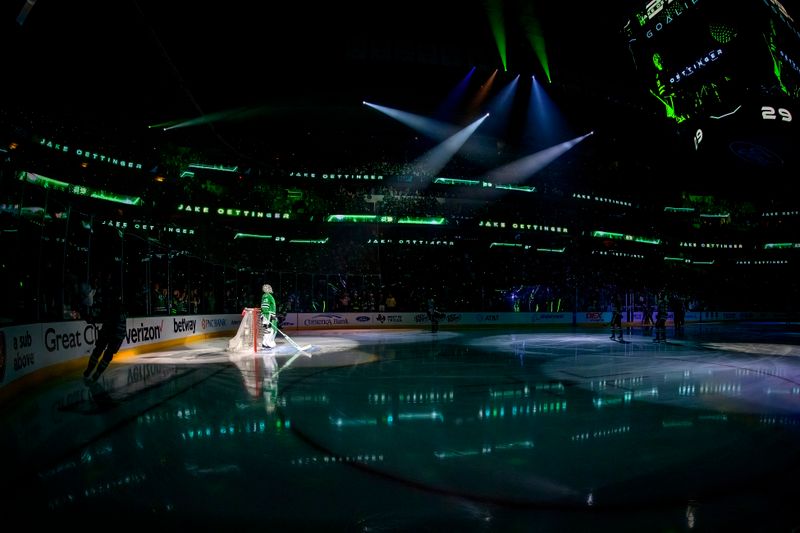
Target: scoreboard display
{"points": [[727, 74]]}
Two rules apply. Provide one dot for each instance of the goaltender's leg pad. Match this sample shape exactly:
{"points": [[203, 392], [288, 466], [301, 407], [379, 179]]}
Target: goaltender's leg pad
{"points": [[269, 338]]}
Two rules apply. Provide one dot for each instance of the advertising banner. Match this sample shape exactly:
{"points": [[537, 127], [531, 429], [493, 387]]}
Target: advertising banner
{"points": [[28, 348], [25, 349]]}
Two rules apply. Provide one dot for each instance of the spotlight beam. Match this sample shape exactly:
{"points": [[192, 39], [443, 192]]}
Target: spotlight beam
{"points": [[429, 127], [435, 159], [241, 113], [523, 168]]}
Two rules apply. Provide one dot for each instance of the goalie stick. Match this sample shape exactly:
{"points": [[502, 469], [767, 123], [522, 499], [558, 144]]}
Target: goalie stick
{"points": [[300, 349], [286, 364]]}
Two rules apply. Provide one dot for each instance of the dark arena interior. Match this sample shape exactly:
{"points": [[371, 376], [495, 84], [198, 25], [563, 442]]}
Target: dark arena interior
{"points": [[454, 205]]}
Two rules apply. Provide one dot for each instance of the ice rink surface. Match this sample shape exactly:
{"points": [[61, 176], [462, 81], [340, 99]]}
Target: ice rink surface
{"points": [[405, 430]]}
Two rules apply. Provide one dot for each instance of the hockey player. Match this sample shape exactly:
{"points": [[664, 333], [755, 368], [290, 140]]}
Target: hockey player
{"points": [[112, 333], [662, 314], [434, 315], [616, 319], [269, 317], [647, 319]]}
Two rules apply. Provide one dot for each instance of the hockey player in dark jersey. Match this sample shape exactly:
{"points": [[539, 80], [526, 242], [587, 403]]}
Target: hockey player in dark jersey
{"points": [[662, 312], [434, 315], [114, 328], [616, 319]]}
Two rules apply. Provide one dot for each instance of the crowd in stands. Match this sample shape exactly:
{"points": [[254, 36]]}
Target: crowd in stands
{"points": [[181, 276], [498, 250]]}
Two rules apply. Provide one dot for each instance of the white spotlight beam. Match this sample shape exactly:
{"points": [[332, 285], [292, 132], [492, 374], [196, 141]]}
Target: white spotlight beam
{"points": [[435, 159], [427, 126], [241, 113], [523, 168], [25, 11]]}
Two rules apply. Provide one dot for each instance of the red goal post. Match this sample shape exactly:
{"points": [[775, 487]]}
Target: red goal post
{"points": [[248, 336]]}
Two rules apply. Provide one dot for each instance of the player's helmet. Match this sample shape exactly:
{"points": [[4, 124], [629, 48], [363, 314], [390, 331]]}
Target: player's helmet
{"points": [[267, 288]]}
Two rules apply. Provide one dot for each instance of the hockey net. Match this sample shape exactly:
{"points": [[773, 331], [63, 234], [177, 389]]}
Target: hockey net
{"points": [[250, 332]]}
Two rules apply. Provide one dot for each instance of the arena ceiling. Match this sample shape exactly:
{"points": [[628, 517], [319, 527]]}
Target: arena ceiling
{"points": [[258, 78]]}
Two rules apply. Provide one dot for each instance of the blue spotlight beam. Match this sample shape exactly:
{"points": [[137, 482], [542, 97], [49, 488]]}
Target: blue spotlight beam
{"points": [[500, 107], [445, 111], [545, 123]]}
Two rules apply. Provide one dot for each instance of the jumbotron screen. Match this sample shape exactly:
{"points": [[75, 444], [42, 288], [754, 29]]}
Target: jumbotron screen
{"points": [[727, 73]]}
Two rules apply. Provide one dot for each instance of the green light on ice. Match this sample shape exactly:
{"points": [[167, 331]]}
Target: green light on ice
{"points": [[433, 415], [601, 402], [349, 422], [525, 444], [677, 423], [456, 454]]}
